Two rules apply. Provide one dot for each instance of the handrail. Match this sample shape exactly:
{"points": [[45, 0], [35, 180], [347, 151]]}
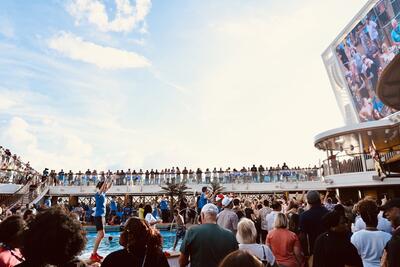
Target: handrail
{"points": [[34, 194], [18, 195], [289, 175], [115, 174], [350, 163]]}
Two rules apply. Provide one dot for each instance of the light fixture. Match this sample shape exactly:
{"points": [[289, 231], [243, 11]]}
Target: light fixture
{"points": [[369, 133], [339, 140]]}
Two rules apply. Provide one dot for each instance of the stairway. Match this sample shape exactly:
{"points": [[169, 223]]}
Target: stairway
{"points": [[28, 194], [40, 195]]}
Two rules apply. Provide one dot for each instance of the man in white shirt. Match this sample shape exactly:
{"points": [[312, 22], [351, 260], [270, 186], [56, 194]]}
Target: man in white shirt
{"points": [[270, 218]]}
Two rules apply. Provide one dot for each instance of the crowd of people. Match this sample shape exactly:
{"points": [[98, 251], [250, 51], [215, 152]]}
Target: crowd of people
{"points": [[13, 170], [365, 52], [130, 177], [215, 229]]}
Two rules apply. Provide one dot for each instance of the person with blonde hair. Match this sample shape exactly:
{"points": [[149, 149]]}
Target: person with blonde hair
{"points": [[246, 236], [285, 245]]}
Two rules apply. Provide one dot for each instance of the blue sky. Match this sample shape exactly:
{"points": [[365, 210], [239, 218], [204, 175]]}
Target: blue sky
{"points": [[155, 84]]}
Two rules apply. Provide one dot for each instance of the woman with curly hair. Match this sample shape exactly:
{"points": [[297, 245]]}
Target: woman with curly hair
{"points": [[370, 242], [142, 247], [53, 238], [11, 230]]}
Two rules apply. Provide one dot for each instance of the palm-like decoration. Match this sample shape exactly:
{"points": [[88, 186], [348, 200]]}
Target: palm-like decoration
{"points": [[174, 189], [216, 188]]}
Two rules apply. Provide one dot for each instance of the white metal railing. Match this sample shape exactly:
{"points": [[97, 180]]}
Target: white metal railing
{"points": [[13, 170]]}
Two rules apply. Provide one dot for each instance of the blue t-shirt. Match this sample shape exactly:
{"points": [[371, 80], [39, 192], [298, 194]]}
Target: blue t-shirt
{"points": [[127, 211], [396, 34], [100, 204], [377, 104], [155, 212], [47, 203], [113, 205], [202, 201], [164, 205]]}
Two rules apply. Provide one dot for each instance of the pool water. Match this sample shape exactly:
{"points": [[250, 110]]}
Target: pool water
{"points": [[107, 246]]}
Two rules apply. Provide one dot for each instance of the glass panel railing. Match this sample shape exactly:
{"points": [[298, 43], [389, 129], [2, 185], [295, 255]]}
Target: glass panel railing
{"points": [[353, 163], [223, 177]]}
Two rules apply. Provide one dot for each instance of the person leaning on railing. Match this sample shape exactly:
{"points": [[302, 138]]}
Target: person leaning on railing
{"points": [[244, 175]]}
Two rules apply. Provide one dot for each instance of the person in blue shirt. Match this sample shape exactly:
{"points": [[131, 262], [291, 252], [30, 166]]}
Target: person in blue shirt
{"points": [[47, 202], [395, 34], [164, 209], [203, 198], [155, 213], [113, 206], [99, 216]]}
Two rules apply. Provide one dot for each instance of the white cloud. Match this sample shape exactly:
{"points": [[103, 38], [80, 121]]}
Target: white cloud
{"points": [[103, 57], [126, 16], [18, 133], [23, 138]]}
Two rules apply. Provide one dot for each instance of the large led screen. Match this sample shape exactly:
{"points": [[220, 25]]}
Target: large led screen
{"points": [[365, 52]]}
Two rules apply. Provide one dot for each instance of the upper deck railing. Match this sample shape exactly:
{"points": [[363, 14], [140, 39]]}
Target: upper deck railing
{"points": [[223, 177], [357, 162]]}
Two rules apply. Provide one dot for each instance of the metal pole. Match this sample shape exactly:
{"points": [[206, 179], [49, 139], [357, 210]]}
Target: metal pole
{"points": [[363, 162]]}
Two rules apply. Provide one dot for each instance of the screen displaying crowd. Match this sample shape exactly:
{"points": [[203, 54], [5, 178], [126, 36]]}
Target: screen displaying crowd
{"points": [[365, 52]]}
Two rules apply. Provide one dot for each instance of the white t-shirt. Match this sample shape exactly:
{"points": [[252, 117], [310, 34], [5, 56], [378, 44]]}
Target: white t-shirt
{"points": [[370, 246], [150, 219], [270, 218], [262, 252], [383, 224], [371, 28]]}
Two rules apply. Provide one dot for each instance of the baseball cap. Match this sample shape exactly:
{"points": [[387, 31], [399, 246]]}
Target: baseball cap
{"points": [[226, 201], [219, 197], [209, 208], [395, 202]]}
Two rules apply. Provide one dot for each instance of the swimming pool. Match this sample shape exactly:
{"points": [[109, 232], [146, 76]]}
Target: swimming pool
{"points": [[107, 246]]}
